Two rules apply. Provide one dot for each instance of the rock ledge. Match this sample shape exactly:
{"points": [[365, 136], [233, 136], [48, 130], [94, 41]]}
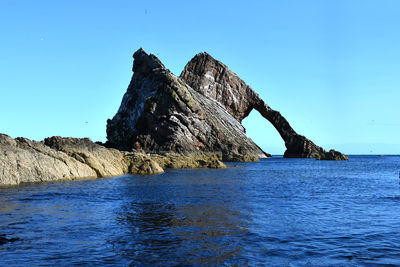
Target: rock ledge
{"points": [[57, 158]]}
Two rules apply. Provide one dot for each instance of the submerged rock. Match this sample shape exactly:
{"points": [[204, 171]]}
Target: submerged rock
{"points": [[4, 239], [215, 80]]}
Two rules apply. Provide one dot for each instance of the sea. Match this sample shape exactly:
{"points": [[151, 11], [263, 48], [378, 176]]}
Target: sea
{"points": [[276, 212]]}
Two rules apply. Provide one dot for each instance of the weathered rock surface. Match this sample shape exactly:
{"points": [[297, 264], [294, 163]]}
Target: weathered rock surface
{"points": [[160, 112], [215, 80], [140, 163], [192, 160], [103, 161], [57, 158], [22, 160]]}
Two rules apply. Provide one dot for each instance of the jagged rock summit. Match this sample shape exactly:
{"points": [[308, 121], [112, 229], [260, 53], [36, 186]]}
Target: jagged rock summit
{"points": [[201, 110]]}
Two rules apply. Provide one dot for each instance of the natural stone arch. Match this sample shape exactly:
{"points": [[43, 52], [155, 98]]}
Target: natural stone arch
{"points": [[214, 79], [263, 133]]}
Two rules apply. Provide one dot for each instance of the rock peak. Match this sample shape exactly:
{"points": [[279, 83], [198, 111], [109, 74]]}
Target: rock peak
{"points": [[204, 54], [203, 57], [145, 63]]}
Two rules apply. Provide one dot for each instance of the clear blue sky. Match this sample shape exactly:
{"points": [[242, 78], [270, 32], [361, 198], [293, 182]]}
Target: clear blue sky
{"points": [[331, 67]]}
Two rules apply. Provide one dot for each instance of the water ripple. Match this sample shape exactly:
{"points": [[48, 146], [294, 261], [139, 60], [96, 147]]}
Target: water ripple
{"points": [[294, 212]]}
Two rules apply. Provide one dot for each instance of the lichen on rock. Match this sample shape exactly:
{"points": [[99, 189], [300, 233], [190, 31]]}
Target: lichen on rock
{"points": [[189, 160]]}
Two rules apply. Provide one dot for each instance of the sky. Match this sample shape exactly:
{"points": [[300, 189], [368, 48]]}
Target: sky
{"points": [[330, 67]]}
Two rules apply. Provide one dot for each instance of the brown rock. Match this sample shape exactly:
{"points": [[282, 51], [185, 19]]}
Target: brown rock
{"points": [[215, 80]]}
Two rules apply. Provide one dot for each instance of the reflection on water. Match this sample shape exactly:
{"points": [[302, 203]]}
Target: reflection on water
{"points": [[275, 212], [192, 233], [208, 232], [192, 227]]}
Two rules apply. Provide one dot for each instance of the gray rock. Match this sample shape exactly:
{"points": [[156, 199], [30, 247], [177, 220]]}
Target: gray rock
{"points": [[22, 160], [160, 112]]}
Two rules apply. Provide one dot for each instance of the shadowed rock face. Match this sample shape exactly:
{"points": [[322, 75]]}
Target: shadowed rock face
{"points": [[213, 79], [160, 112]]}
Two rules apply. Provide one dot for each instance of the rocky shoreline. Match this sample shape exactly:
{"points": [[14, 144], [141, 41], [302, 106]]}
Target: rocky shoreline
{"points": [[56, 158]]}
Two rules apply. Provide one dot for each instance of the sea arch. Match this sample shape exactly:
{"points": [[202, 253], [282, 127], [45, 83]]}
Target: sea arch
{"points": [[213, 79]]}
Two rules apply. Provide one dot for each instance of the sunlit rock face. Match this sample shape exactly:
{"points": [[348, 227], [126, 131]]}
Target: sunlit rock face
{"points": [[160, 112], [66, 158], [215, 80]]}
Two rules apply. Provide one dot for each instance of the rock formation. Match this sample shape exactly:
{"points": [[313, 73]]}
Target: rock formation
{"points": [[163, 122], [57, 158], [160, 112], [215, 80], [200, 111]]}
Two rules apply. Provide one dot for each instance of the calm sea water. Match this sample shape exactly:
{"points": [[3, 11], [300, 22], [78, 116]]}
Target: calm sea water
{"points": [[275, 212]]}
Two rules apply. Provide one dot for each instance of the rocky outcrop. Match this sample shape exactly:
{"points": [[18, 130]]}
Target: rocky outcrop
{"points": [[23, 160], [215, 80], [105, 162], [57, 158], [160, 112], [191, 160]]}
